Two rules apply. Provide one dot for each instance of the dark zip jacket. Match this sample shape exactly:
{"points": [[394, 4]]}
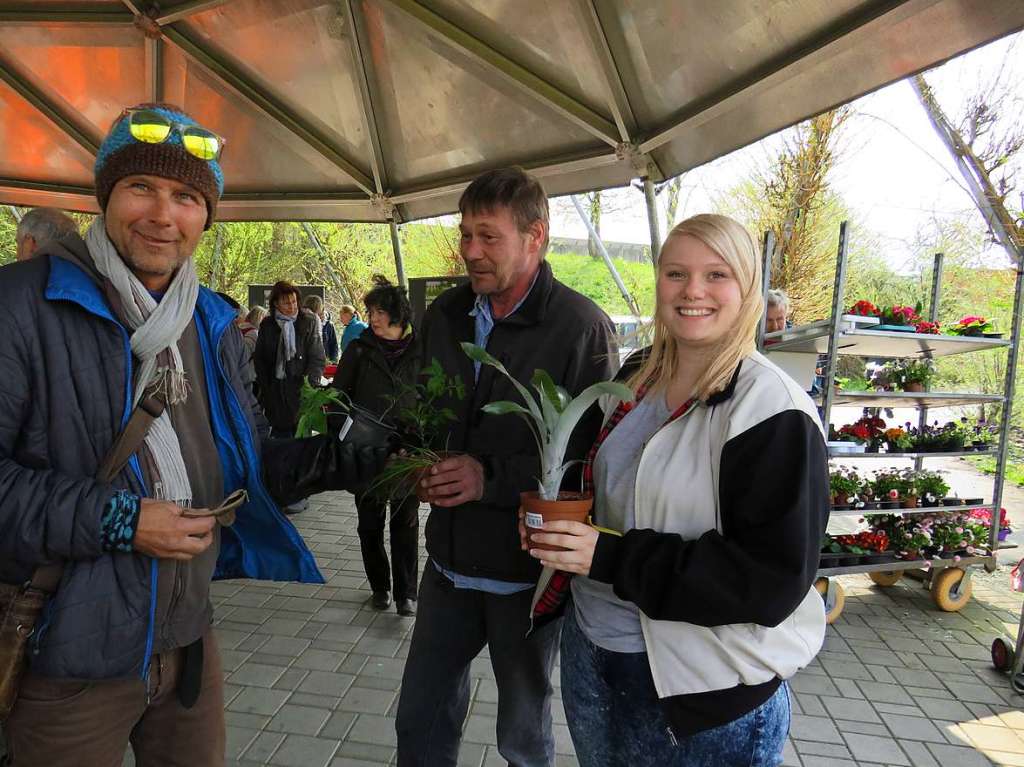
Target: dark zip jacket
{"points": [[555, 329], [281, 397], [64, 397], [372, 382]]}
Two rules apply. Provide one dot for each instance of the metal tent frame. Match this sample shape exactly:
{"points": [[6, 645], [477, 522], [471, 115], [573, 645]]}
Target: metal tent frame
{"points": [[381, 110]]}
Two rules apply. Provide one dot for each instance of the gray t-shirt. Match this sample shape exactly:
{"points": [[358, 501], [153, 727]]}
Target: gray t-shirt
{"points": [[606, 620]]}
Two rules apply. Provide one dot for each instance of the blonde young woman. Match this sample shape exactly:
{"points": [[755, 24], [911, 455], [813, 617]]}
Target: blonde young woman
{"points": [[682, 629]]}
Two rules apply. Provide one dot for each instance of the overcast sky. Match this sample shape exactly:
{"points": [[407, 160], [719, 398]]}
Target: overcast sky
{"points": [[893, 169]]}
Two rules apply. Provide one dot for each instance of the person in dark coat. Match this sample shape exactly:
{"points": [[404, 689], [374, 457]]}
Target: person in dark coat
{"points": [[289, 350], [377, 372]]}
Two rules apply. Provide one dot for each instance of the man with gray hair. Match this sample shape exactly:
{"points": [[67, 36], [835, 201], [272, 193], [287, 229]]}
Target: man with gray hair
{"points": [[41, 225], [777, 311]]}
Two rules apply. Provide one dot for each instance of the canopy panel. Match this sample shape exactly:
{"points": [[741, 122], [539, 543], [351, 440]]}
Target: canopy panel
{"points": [[365, 110]]}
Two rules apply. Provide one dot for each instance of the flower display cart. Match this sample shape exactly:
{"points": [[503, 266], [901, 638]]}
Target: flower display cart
{"points": [[949, 579]]}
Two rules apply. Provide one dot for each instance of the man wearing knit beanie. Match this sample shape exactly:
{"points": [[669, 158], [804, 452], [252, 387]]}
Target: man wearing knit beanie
{"points": [[94, 330]]}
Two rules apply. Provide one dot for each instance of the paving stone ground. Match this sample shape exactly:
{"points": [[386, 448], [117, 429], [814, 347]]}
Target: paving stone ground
{"points": [[313, 673]]}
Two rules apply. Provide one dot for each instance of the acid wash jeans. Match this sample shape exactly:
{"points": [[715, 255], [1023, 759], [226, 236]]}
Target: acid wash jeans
{"points": [[615, 718]]}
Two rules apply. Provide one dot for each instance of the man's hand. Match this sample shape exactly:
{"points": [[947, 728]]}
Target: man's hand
{"points": [[165, 534], [452, 482]]}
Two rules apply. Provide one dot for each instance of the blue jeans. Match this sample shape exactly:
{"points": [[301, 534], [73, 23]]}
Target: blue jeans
{"points": [[615, 717]]}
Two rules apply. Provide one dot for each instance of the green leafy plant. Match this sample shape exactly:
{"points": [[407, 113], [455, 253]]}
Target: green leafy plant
{"points": [[854, 383], [845, 481], [422, 428], [909, 371], [891, 484], [551, 415], [313, 406], [930, 485], [423, 423], [970, 325]]}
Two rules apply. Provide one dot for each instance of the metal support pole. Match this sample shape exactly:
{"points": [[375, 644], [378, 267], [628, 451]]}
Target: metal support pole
{"points": [[396, 246], [828, 388], [630, 302], [1008, 391], [16, 213], [933, 316], [767, 248], [218, 243], [652, 221], [318, 246]]}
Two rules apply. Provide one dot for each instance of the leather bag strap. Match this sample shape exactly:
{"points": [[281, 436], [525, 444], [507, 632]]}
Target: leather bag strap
{"points": [[47, 577]]}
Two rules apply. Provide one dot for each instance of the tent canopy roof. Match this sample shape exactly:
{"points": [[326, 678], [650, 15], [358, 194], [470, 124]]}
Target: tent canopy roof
{"points": [[361, 110]]}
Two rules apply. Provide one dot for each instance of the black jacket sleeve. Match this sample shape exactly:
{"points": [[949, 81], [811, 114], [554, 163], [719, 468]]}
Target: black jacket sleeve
{"points": [[774, 503], [298, 468], [593, 359]]}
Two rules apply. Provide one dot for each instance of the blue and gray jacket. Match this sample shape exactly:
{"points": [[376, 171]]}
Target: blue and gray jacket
{"points": [[65, 383]]}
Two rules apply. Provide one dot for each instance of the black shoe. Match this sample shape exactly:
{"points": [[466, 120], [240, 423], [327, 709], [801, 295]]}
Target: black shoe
{"points": [[406, 607], [381, 600]]}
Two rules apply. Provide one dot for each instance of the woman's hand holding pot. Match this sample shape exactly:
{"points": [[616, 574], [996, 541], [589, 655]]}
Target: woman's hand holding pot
{"points": [[577, 538]]}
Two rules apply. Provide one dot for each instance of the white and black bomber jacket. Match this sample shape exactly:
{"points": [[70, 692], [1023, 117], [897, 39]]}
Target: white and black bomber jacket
{"points": [[732, 499]]}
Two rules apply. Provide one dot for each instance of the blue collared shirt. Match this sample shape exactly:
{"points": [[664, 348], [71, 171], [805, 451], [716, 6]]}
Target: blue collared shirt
{"points": [[484, 324], [484, 319]]}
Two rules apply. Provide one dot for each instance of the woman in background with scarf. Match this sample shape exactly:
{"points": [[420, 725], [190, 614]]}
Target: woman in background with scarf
{"points": [[288, 350], [377, 371]]}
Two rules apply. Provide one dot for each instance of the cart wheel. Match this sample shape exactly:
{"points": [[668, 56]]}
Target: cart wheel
{"points": [[1002, 653], [951, 590], [834, 609], [886, 577]]}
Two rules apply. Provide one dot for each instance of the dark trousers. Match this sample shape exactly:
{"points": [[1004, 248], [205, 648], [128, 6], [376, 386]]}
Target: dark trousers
{"points": [[452, 626], [79, 723], [404, 524]]}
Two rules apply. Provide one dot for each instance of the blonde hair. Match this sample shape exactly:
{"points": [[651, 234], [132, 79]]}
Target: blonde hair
{"points": [[734, 245]]}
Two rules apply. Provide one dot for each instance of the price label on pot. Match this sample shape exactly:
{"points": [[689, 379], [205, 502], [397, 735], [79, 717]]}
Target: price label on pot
{"points": [[534, 520]]}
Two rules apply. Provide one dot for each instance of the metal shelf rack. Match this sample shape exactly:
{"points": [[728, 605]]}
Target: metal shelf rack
{"points": [[834, 337]]}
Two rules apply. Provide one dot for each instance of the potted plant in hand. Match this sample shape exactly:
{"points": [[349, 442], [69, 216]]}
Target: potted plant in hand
{"points": [[420, 427], [551, 415]]}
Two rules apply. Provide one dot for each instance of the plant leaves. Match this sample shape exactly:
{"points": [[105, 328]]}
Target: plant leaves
{"points": [[504, 407]]}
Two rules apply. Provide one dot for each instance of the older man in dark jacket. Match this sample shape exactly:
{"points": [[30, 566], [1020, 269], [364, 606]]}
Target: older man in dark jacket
{"points": [[476, 588], [123, 651]]}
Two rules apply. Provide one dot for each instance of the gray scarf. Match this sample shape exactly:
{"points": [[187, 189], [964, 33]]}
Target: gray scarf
{"points": [[286, 347], [156, 329]]}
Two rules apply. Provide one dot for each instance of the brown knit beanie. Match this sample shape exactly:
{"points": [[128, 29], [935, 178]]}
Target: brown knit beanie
{"points": [[122, 155]]}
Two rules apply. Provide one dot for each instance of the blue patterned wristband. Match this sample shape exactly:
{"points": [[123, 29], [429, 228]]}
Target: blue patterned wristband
{"points": [[120, 519]]}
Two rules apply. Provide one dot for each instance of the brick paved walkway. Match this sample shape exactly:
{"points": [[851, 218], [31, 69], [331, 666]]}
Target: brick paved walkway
{"points": [[313, 673]]}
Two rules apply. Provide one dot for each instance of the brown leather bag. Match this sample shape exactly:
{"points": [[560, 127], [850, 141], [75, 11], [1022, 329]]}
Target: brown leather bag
{"points": [[20, 606]]}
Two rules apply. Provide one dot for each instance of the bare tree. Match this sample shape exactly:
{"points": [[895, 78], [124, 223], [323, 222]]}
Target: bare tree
{"points": [[792, 199], [984, 142]]}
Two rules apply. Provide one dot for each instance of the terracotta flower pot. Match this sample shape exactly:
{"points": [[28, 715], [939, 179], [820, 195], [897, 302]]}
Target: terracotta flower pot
{"points": [[574, 507], [840, 499], [913, 386], [908, 502]]}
